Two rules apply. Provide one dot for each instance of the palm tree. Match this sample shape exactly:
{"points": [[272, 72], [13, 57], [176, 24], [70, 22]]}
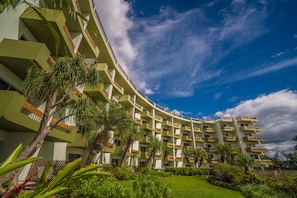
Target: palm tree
{"points": [[227, 152], [165, 152], [108, 117], [155, 146], [134, 133], [199, 155], [55, 88], [245, 161], [187, 154]]}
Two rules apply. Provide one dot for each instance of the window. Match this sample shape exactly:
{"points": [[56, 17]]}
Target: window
{"points": [[114, 162], [5, 86], [142, 164], [117, 142], [142, 149]]}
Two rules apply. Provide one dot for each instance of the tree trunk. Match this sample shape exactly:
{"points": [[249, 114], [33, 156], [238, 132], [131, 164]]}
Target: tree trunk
{"points": [[36, 143], [129, 142], [97, 146], [149, 159]]}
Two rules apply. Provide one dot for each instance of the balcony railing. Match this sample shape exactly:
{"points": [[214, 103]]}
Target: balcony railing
{"points": [[253, 129], [251, 138], [167, 134], [230, 139], [256, 149], [227, 129]]}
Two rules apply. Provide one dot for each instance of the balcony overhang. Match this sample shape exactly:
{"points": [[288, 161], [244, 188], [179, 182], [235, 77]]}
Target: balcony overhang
{"points": [[18, 56], [43, 30]]}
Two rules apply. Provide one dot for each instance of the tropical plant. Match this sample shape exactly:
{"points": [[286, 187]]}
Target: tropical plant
{"points": [[67, 177], [108, 117], [199, 155], [227, 152], [134, 133], [165, 152], [154, 146], [245, 161], [55, 89]]}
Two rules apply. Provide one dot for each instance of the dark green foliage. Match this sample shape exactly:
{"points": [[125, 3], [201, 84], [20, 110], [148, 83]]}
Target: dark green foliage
{"points": [[233, 175], [101, 188], [260, 191], [150, 186], [187, 171]]}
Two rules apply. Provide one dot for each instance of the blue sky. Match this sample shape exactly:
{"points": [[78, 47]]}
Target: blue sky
{"points": [[212, 58]]}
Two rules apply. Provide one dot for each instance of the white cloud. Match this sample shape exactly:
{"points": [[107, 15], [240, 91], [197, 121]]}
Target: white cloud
{"points": [[116, 24], [277, 114]]}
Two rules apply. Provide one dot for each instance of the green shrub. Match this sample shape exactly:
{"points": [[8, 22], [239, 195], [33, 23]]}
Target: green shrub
{"points": [[150, 186], [260, 191], [101, 188], [123, 173], [187, 171], [233, 175]]}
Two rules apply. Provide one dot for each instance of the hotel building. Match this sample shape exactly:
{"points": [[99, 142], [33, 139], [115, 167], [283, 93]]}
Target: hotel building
{"points": [[26, 40]]}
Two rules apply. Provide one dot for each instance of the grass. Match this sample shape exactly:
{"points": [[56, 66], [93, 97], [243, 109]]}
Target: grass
{"points": [[193, 187]]}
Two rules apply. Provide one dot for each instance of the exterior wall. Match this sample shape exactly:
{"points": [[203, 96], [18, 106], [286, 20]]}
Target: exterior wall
{"points": [[174, 131]]}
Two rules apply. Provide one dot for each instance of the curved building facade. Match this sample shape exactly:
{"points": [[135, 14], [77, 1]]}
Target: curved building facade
{"points": [[25, 39]]}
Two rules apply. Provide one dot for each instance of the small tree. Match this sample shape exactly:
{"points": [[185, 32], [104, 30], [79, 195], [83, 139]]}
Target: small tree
{"points": [[245, 161], [155, 146], [108, 117], [226, 152], [199, 155], [55, 88], [134, 133]]}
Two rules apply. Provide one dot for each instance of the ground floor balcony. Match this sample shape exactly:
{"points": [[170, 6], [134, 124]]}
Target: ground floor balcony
{"points": [[18, 115], [256, 149]]}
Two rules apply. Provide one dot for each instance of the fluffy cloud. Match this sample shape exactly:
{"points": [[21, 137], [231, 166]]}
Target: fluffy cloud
{"points": [[113, 15], [277, 114]]}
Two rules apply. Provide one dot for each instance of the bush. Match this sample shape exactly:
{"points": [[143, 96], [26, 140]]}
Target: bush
{"points": [[187, 171], [233, 175], [150, 186], [100, 188], [260, 191]]}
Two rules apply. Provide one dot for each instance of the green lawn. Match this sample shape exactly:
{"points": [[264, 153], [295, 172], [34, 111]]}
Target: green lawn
{"points": [[193, 187]]}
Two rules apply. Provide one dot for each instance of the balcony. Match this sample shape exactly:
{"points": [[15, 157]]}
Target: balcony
{"points": [[247, 119], [42, 33], [139, 107], [148, 126], [146, 139], [197, 130], [199, 139], [187, 138], [170, 158], [96, 93], [137, 120], [147, 114], [227, 129], [117, 88], [229, 139], [187, 128], [253, 139], [88, 47], [158, 130], [210, 150], [189, 147], [177, 136], [167, 134], [102, 69], [208, 129], [18, 61], [110, 148], [250, 129], [210, 140], [264, 162], [126, 101], [176, 125], [158, 119], [18, 115], [225, 119], [213, 161], [167, 123], [256, 150], [169, 145]]}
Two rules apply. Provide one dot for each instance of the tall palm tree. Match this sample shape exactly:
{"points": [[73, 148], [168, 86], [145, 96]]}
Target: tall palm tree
{"points": [[155, 146], [55, 88], [108, 117], [134, 133], [165, 152]]}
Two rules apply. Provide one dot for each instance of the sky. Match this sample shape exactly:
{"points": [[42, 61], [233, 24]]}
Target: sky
{"points": [[212, 58]]}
